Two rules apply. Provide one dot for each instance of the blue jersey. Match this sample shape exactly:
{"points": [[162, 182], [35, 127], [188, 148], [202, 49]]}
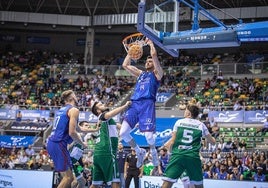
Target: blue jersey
{"points": [[258, 177], [164, 162], [146, 86], [206, 175], [222, 176], [60, 131], [236, 176]]}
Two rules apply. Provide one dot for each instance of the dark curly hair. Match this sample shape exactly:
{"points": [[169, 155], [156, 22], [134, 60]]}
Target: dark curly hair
{"points": [[94, 109]]}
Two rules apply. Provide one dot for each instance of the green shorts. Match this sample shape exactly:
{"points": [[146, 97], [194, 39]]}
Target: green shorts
{"points": [[105, 170], [178, 164]]}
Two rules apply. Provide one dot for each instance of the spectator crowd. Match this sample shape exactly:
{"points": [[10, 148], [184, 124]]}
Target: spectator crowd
{"points": [[29, 85]]}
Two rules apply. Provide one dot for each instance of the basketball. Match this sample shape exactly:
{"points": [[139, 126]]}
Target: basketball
{"points": [[135, 51]]}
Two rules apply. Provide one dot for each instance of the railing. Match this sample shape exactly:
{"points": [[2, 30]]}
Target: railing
{"points": [[235, 68], [170, 108], [252, 70]]}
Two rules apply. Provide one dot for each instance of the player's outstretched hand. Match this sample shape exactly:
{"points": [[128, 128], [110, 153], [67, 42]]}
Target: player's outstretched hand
{"points": [[128, 103], [152, 48], [148, 41]]}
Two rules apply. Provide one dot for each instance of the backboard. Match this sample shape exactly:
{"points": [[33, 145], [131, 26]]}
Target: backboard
{"points": [[163, 23], [157, 18]]}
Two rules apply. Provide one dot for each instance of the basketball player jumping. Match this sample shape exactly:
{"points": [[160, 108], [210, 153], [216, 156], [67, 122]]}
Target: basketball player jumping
{"points": [[142, 110]]}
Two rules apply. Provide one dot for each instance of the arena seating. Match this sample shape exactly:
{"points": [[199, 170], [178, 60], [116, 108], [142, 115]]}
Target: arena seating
{"points": [[219, 97], [248, 134]]}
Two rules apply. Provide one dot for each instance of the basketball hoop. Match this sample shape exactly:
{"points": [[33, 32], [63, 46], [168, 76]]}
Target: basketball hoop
{"points": [[134, 45]]}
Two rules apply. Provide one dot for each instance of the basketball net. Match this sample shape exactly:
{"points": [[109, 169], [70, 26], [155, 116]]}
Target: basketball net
{"points": [[133, 45]]}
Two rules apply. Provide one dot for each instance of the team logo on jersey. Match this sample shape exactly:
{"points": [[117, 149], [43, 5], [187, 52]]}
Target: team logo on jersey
{"points": [[148, 122]]}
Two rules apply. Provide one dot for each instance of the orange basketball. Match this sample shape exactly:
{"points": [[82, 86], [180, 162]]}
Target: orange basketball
{"points": [[135, 51]]}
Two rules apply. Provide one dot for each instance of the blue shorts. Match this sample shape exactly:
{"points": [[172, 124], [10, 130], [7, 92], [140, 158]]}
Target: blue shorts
{"points": [[60, 155], [142, 112]]}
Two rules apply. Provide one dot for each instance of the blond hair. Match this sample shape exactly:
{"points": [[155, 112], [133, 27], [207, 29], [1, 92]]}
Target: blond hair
{"points": [[65, 96]]}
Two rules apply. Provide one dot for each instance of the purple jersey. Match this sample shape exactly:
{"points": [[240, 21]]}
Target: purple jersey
{"points": [[146, 87], [60, 131], [258, 177], [164, 162], [222, 176]]}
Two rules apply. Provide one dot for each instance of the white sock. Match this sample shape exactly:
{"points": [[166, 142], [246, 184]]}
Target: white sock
{"points": [[153, 151], [137, 149]]}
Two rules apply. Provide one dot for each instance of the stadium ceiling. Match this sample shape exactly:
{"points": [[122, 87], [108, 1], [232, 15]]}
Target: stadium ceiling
{"points": [[104, 7]]}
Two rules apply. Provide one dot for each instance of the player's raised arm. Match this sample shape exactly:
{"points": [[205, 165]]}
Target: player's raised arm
{"points": [[158, 71], [134, 71], [170, 142], [210, 139], [73, 114], [117, 110]]}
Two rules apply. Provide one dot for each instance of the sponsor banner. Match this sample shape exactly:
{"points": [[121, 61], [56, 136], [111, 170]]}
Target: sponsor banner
{"points": [[162, 97], [258, 116], [38, 40], [80, 42], [18, 141], [90, 117], [29, 126], [164, 127], [87, 116], [3, 114], [9, 38], [34, 114], [26, 178], [6, 114], [156, 182], [227, 116]]}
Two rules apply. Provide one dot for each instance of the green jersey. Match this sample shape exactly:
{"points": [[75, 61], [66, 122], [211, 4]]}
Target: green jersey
{"points": [[107, 137], [188, 137]]}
